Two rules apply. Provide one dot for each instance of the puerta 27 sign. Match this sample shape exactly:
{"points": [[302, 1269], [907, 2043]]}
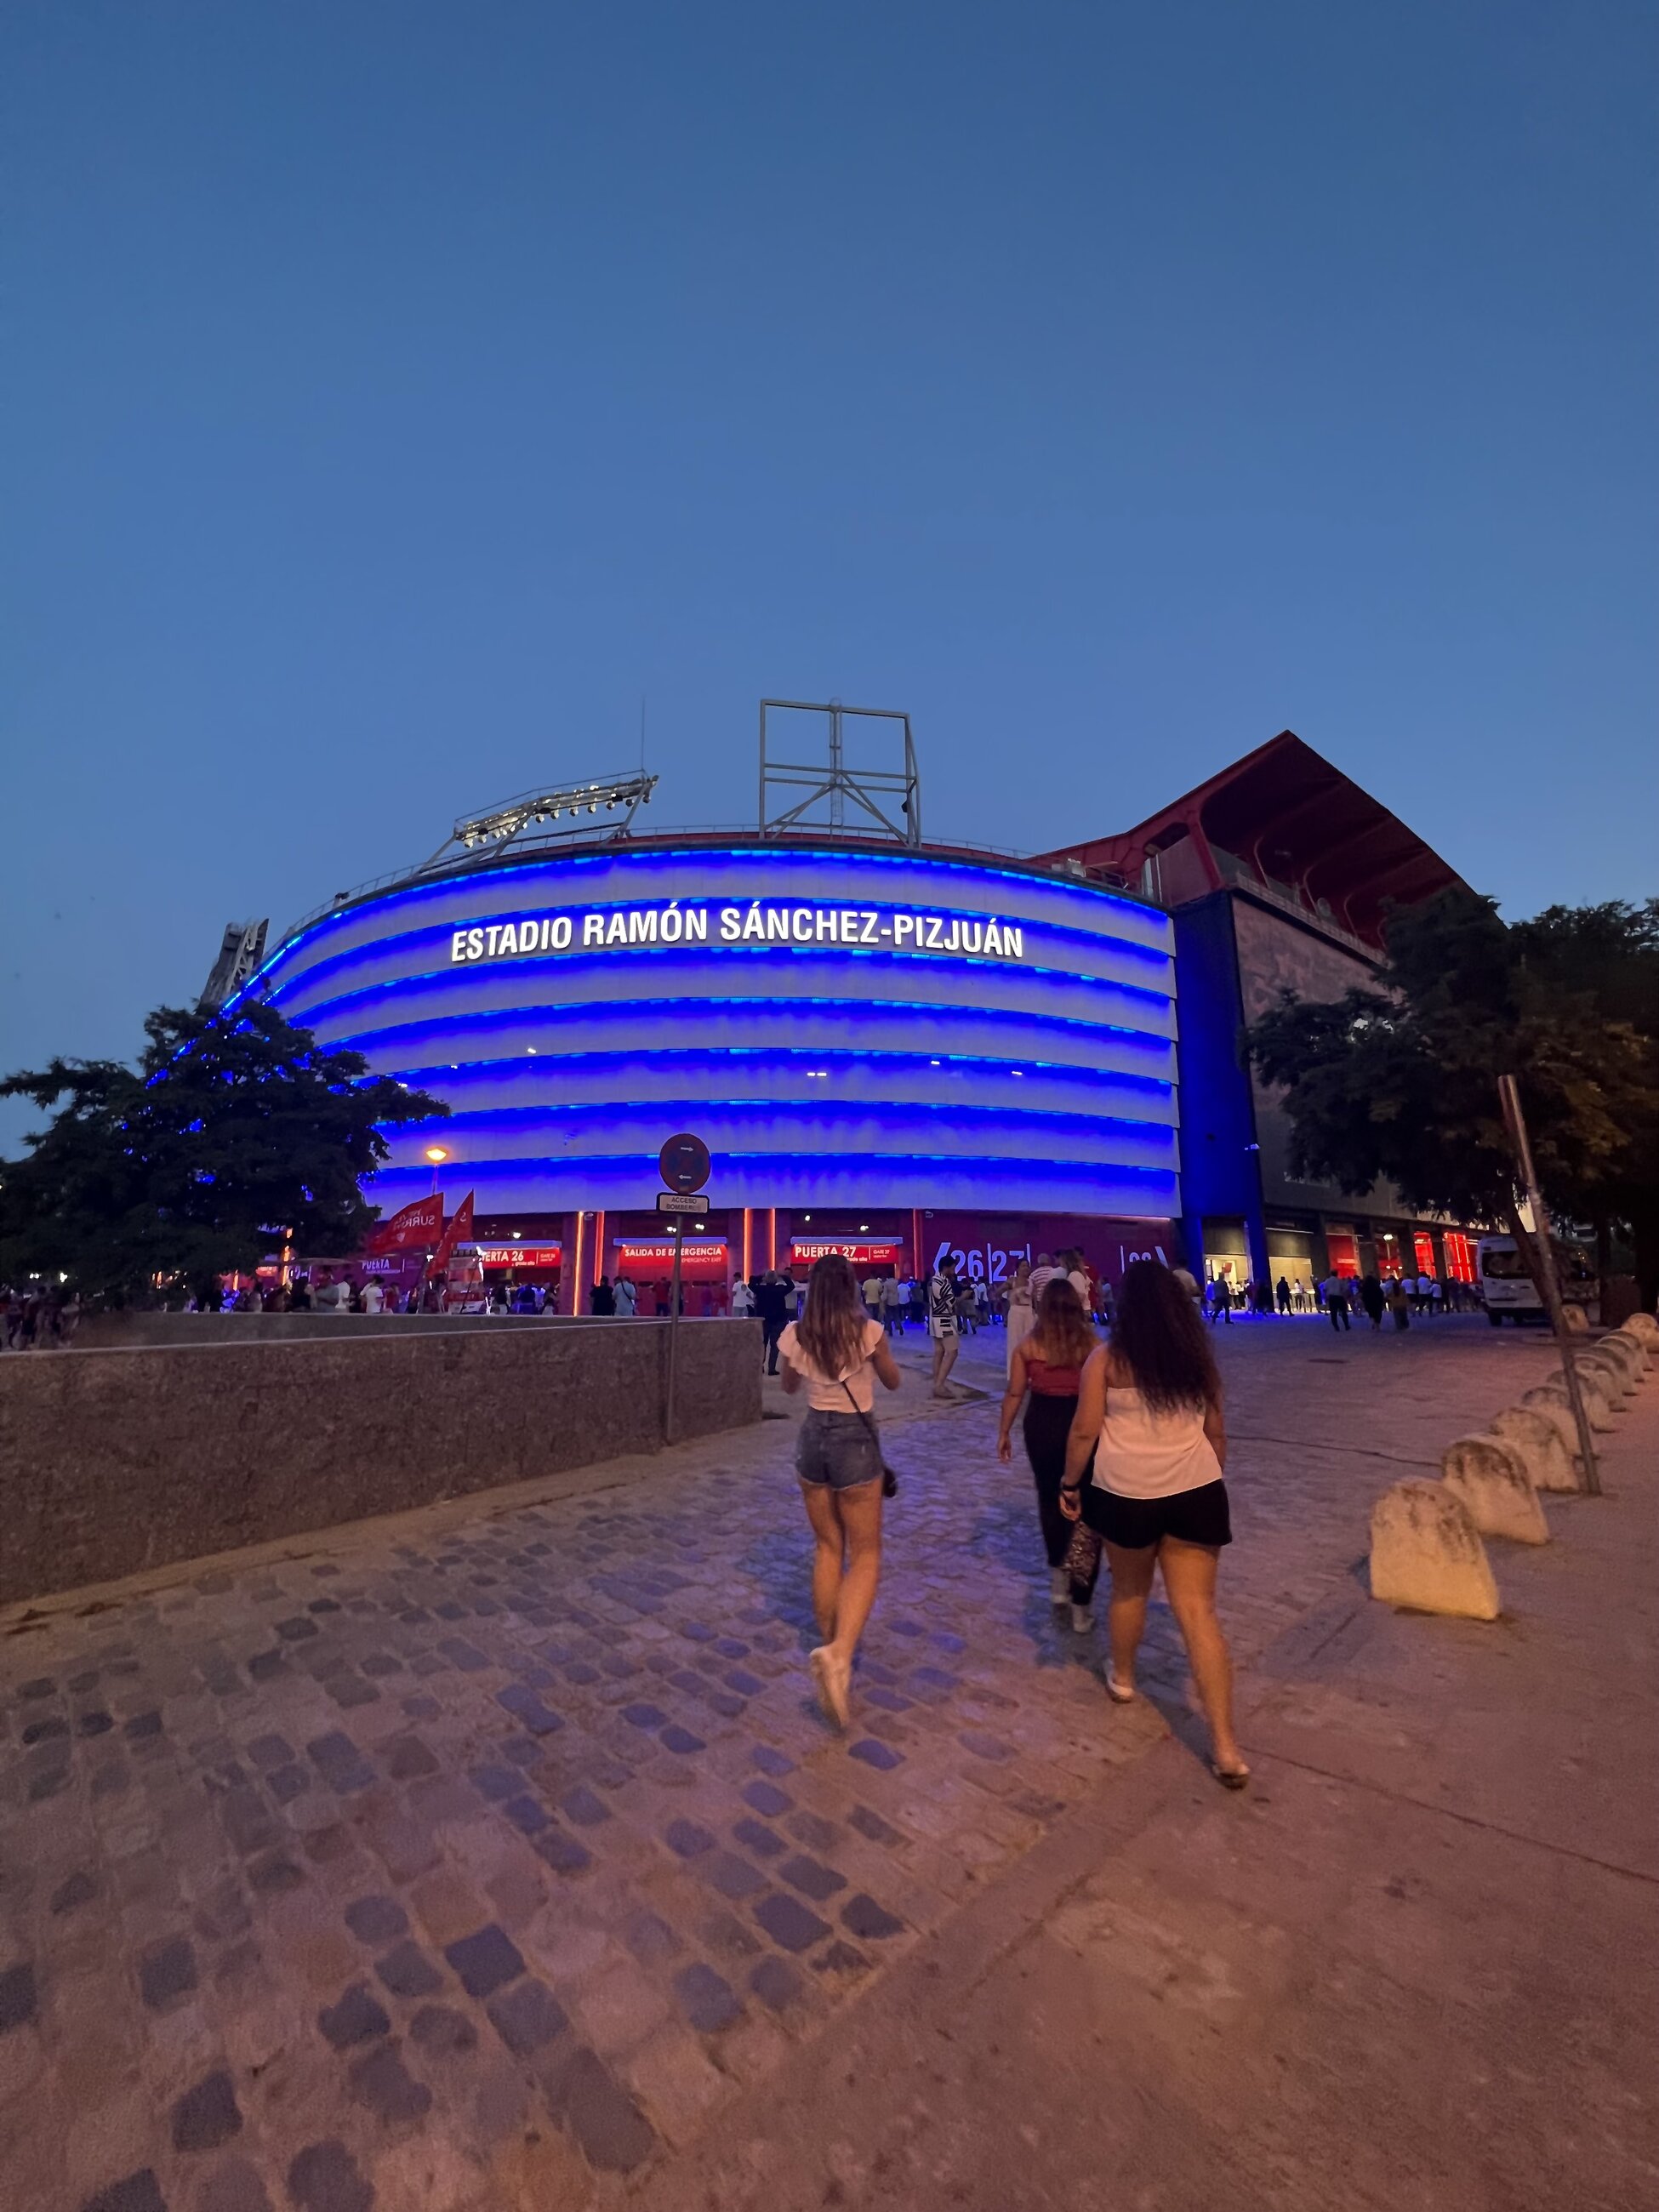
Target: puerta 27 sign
{"points": [[607, 929]]}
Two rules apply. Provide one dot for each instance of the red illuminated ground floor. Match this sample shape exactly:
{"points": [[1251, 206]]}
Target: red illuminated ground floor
{"points": [[725, 1243]]}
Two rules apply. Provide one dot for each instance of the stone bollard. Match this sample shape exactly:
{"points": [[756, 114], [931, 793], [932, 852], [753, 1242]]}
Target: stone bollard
{"points": [[1645, 1325], [1552, 1404], [1634, 1347], [1489, 1475], [1543, 1435], [1608, 1369], [1597, 1408], [1628, 1355], [1427, 1553]]}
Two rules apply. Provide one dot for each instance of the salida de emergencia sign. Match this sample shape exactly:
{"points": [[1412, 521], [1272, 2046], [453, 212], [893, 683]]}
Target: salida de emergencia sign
{"points": [[605, 929]]}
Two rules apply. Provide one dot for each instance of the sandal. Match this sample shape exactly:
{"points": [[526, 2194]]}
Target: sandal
{"points": [[1229, 1777], [1120, 1693]]}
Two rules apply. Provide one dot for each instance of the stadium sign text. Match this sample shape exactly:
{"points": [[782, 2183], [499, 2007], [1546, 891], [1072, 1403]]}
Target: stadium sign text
{"points": [[605, 929]]}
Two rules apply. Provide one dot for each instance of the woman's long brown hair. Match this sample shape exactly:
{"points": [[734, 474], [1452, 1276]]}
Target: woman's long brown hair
{"points": [[1062, 1325], [831, 1330], [1159, 1336]]}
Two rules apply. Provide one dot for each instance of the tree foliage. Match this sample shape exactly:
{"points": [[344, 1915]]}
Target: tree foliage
{"points": [[234, 1128], [1399, 1081]]}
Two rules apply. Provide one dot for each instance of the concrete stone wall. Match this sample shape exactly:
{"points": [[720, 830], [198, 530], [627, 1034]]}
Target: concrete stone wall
{"points": [[115, 1461], [114, 1332]]}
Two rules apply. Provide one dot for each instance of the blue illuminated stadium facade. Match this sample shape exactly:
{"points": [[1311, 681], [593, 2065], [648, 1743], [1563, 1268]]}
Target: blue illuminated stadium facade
{"points": [[906, 1033]]}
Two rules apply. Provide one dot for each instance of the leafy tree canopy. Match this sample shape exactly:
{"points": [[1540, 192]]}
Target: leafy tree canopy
{"points": [[235, 1127], [1399, 1081]]}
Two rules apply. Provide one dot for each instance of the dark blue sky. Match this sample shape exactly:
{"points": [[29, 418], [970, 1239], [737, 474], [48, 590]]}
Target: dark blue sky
{"points": [[395, 393]]}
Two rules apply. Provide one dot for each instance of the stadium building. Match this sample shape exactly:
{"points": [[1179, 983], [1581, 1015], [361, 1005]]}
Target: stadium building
{"points": [[890, 1048]]}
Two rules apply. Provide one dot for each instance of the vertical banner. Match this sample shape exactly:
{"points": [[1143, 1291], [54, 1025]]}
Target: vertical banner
{"points": [[459, 1231]]}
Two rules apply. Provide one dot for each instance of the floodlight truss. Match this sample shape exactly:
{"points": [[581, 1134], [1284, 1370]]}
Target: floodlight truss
{"points": [[536, 810], [833, 784]]}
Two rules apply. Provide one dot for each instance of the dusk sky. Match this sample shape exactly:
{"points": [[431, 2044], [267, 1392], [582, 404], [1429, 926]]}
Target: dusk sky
{"points": [[394, 395]]}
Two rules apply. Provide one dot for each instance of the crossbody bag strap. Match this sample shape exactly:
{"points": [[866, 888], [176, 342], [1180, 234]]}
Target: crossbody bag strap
{"points": [[859, 1411]]}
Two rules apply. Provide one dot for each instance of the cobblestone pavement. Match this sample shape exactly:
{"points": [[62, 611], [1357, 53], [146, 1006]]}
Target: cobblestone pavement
{"points": [[471, 1860]]}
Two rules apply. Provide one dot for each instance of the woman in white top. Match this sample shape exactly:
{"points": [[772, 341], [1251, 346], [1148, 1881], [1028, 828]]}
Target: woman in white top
{"points": [[1149, 1417], [834, 1352], [1021, 1311]]}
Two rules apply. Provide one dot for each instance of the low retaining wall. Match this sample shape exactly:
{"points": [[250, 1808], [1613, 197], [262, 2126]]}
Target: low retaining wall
{"points": [[127, 1332], [116, 1460]]}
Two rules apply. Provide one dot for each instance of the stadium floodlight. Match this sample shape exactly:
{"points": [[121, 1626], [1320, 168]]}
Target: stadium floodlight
{"points": [[535, 808]]}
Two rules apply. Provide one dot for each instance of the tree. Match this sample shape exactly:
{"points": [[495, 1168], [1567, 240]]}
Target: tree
{"points": [[1609, 955], [1400, 1080], [234, 1130]]}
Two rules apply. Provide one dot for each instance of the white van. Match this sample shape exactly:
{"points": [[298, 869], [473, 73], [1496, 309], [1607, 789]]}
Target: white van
{"points": [[1508, 1289]]}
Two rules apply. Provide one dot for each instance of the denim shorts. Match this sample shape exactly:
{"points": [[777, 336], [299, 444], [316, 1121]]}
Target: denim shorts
{"points": [[837, 1451]]}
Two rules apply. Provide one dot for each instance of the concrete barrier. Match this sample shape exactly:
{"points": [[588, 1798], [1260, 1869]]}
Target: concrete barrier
{"points": [[1489, 1475], [132, 1331], [1629, 1343], [1626, 1354], [1598, 1407], [113, 1462], [1645, 1325], [1426, 1552], [1543, 1442], [1606, 1369]]}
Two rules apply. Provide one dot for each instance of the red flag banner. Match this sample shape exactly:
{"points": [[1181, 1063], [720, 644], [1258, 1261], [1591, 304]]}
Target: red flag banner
{"points": [[418, 1225], [459, 1231]]}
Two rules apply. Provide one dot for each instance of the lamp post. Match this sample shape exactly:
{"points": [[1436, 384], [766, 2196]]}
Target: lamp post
{"points": [[437, 1155]]}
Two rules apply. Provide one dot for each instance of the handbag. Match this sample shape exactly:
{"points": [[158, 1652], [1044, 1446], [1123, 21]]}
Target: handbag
{"points": [[888, 1479]]}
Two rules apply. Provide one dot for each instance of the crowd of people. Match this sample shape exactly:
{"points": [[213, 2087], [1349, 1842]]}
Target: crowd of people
{"points": [[1125, 1440], [38, 1319], [1335, 1296]]}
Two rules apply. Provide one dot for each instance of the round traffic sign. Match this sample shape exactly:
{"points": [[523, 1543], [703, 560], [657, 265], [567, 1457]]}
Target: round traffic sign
{"points": [[684, 1163]]}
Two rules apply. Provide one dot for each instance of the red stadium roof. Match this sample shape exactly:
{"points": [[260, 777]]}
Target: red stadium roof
{"points": [[1285, 819]]}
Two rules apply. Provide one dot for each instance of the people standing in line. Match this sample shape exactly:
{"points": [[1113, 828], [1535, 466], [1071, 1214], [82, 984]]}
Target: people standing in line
{"points": [[742, 1300], [871, 1292], [373, 1296], [1043, 1376], [1425, 1292], [602, 1300], [1145, 1468], [1335, 1290], [628, 1297], [1022, 1314], [1371, 1298], [835, 1351], [770, 1305], [943, 1324], [1437, 1296], [892, 1310]]}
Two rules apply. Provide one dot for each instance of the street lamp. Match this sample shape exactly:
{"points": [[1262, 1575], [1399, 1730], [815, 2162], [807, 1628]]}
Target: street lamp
{"points": [[437, 1155]]}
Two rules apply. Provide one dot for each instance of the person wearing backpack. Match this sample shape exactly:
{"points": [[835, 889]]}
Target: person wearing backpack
{"points": [[834, 1352]]}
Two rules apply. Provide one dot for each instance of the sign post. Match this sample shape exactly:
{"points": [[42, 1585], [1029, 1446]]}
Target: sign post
{"points": [[684, 1163], [1508, 1096]]}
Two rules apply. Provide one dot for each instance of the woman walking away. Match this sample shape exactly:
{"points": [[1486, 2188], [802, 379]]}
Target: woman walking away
{"points": [[1149, 1418], [835, 1350], [1047, 1364]]}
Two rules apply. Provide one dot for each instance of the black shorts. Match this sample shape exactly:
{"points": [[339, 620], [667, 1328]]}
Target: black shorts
{"points": [[1191, 1516]]}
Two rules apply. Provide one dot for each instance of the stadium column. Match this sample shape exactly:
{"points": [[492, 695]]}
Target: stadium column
{"points": [[569, 1226]]}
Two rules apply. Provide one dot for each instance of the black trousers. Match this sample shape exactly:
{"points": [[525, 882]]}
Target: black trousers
{"points": [[1047, 1425], [1338, 1311], [771, 1331]]}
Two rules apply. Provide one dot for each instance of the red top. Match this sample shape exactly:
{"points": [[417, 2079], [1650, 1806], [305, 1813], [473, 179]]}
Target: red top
{"points": [[1048, 1381]]}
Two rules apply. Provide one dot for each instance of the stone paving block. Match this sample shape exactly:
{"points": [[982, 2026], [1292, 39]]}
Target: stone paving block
{"points": [[325, 2177], [138, 2193], [377, 1919], [167, 1973], [788, 1923], [382, 2081], [206, 2116], [527, 2017], [485, 1962], [585, 2096]]}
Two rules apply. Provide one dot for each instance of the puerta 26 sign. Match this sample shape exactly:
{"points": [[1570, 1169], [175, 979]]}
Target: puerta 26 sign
{"points": [[603, 929]]}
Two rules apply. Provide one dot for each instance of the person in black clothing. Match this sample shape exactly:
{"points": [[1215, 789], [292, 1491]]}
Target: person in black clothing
{"points": [[771, 1303], [603, 1300]]}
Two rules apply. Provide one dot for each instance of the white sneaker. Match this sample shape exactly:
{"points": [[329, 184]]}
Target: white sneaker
{"points": [[1059, 1586], [1082, 1620]]}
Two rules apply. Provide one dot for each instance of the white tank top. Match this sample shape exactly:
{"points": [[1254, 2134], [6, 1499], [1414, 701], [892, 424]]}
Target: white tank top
{"points": [[1146, 1455]]}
